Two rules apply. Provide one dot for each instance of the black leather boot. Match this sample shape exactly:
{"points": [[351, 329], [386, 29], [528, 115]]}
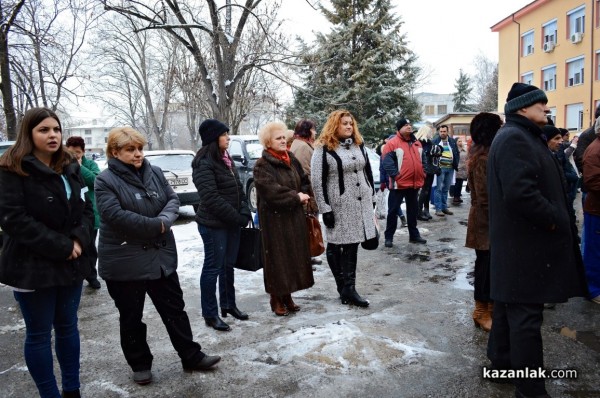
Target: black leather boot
{"points": [[334, 259], [421, 216], [349, 294], [426, 214]]}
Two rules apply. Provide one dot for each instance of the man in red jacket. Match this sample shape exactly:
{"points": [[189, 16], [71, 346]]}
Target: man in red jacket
{"points": [[401, 158]]}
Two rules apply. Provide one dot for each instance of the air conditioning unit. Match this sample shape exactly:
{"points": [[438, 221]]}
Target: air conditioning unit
{"points": [[576, 37], [549, 46]]}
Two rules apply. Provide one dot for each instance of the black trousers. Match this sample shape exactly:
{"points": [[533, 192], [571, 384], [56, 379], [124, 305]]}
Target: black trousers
{"points": [[395, 198], [515, 342], [482, 276], [93, 255], [167, 297], [425, 193]]}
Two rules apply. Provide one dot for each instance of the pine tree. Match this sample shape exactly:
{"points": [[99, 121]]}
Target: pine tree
{"points": [[362, 65], [462, 94]]}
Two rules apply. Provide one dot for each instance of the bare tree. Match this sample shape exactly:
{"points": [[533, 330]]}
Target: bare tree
{"points": [[483, 81], [8, 14], [46, 51], [136, 76], [216, 51]]}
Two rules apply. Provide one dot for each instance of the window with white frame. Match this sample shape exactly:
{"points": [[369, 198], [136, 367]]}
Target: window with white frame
{"points": [[550, 34], [574, 113], [549, 78], [88, 140], [552, 115], [527, 43], [576, 19], [575, 71], [527, 78]]}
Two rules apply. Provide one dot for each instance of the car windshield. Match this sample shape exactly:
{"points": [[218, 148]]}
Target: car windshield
{"points": [[254, 150], [173, 162]]}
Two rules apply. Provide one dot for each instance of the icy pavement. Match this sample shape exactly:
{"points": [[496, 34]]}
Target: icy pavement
{"points": [[416, 339]]}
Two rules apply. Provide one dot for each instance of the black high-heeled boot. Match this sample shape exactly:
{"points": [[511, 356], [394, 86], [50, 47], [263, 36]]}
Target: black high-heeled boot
{"points": [[217, 324], [334, 257], [235, 312], [349, 294]]}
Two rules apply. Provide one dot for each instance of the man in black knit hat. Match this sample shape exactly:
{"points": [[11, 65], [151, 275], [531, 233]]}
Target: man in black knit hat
{"points": [[535, 257]]}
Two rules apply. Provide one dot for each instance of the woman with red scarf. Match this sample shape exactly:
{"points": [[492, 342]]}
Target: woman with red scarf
{"points": [[283, 188]]}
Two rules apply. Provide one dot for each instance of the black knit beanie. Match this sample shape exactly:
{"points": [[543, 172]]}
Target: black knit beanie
{"points": [[522, 95], [550, 132], [210, 130]]}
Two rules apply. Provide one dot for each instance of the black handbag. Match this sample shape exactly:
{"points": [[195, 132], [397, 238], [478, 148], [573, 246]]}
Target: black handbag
{"points": [[249, 256]]}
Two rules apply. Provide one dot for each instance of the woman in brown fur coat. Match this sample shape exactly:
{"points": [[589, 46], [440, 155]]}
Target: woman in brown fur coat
{"points": [[282, 188], [484, 127]]}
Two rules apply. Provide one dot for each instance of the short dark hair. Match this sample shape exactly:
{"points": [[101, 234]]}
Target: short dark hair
{"points": [[443, 125], [76, 141], [597, 113], [484, 127], [303, 128]]}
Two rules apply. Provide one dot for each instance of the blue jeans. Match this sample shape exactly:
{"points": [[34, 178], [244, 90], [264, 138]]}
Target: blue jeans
{"points": [[44, 309], [444, 181], [220, 252], [591, 252]]}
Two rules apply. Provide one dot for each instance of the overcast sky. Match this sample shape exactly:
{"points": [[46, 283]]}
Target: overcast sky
{"points": [[446, 35]]}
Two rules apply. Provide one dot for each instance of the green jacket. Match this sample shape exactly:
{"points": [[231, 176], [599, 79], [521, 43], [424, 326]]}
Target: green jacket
{"points": [[89, 171]]}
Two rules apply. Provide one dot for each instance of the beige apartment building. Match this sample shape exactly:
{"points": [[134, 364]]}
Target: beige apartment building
{"points": [[555, 45]]}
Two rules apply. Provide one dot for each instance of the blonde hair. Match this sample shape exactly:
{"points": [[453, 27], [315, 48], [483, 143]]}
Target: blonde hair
{"points": [[266, 132], [424, 133], [122, 136], [329, 138]]}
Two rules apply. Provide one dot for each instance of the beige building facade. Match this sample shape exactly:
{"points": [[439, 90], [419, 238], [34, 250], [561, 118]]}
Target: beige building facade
{"points": [[555, 45]]}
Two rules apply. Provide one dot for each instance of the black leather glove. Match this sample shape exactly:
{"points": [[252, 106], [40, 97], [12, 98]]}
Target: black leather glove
{"points": [[245, 211], [328, 219]]}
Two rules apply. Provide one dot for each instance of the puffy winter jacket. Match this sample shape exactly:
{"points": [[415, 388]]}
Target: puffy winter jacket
{"points": [[223, 203], [407, 167], [133, 206], [40, 224]]}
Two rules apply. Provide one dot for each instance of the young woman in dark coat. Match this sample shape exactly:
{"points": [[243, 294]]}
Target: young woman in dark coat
{"points": [[137, 253], [47, 221], [223, 210], [283, 188], [484, 127]]}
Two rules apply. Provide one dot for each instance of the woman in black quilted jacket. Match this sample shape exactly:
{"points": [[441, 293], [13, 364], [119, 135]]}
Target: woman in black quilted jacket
{"points": [[222, 211], [137, 255]]}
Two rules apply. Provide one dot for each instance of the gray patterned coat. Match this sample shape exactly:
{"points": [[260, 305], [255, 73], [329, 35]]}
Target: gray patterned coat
{"points": [[352, 210]]}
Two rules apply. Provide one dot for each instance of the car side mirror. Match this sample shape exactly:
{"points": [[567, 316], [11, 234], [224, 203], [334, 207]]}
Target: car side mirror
{"points": [[239, 158]]}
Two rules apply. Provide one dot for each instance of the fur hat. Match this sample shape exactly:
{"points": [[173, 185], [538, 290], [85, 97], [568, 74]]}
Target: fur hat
{"points": [[401, 123], [522, 95], [210, 130]]}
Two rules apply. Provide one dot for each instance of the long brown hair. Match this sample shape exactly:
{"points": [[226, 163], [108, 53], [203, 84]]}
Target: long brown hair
{"points": [[329, 138], [13, 157]]}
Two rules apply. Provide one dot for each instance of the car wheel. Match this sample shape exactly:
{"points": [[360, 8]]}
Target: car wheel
{"points": [[252, 198]]}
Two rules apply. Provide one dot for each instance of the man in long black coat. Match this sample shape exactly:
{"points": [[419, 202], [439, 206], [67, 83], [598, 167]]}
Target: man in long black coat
{"points": [[535, 257]]}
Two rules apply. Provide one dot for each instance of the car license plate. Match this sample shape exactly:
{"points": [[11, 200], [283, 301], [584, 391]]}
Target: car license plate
{"points": [[177, 181]]}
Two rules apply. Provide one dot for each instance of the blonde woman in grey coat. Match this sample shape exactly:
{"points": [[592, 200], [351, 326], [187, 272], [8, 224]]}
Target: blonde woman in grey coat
{"points": [[343, 186]]}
